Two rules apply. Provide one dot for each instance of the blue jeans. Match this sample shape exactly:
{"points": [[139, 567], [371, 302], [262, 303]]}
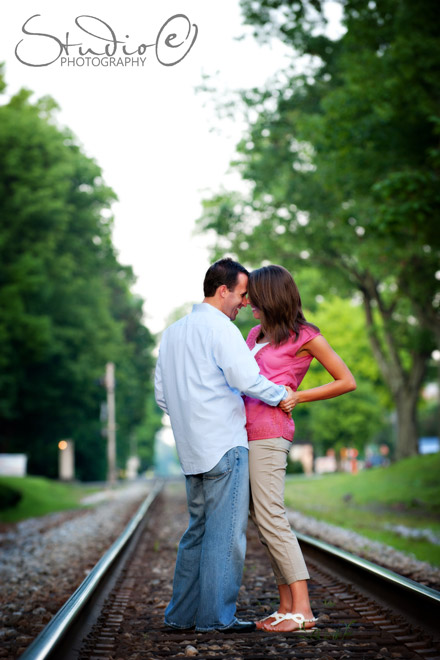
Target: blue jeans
{"points": [[211, 552]]}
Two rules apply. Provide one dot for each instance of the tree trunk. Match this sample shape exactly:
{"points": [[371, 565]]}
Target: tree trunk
{"points": [[404, 383], [407, 434]]}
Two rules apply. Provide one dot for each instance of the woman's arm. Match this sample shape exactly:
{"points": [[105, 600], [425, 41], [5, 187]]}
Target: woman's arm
{"points": [[343, 378]]}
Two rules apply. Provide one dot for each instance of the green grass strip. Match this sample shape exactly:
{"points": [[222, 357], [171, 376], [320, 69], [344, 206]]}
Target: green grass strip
{"points": [[406, 494], [39, 496]]}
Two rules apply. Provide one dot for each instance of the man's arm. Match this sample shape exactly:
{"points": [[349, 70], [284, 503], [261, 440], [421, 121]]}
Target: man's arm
{"points": [[241, 370], [267, 391]]}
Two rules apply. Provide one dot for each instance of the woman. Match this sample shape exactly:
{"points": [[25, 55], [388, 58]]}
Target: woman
{"points": [[284, 345]]}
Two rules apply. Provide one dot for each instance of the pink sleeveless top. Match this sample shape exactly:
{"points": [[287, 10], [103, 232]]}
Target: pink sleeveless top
{"points": [[281, 365]]}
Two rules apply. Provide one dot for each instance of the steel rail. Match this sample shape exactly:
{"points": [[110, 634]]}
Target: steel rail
{"points": [[50, 636], [43, 646], [368, 566]]}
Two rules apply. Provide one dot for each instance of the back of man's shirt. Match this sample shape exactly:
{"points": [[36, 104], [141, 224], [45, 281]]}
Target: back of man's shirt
{"points": [[204, 365]]}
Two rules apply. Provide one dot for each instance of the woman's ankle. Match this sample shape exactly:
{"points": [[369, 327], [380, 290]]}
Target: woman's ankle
{"points": [[285, 607]]}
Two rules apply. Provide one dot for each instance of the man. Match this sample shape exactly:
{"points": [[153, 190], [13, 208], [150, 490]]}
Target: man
{"points": [[203, 368]]}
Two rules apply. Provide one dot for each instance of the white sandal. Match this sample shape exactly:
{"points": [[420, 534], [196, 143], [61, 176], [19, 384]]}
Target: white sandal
{"points": [[298, 618], [275, 615]]}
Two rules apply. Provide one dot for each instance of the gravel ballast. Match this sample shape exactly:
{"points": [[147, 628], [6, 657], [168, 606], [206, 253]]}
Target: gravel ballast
{"points": [[43, 560]]}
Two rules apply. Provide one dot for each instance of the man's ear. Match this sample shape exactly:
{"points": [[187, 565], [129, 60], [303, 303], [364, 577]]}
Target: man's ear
{"points": [[223, 290]]}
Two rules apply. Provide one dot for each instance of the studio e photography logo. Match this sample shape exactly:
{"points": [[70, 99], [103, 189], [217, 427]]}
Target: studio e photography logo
{"points": [[100, 46]]}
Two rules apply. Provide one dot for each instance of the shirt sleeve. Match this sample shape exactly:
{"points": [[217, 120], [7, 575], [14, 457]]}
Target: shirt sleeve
{"points": [[307, 334], [241, 371], [158, 387]]}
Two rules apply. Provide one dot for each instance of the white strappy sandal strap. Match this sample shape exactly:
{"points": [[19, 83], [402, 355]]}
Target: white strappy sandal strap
{"points": [[275, 615], [298, 618]]}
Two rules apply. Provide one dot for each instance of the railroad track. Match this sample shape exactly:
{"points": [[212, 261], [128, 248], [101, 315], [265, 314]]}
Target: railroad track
{"points": [[117, 613]]}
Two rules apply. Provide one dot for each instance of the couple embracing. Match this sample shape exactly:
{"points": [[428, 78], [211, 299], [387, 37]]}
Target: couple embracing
{"points": [[229, 403]]}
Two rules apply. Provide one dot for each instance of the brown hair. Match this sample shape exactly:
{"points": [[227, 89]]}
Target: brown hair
{"points": [[273, 290]]}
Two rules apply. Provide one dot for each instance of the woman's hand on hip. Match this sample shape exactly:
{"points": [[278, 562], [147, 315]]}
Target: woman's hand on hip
{"points": [[289, 403]]}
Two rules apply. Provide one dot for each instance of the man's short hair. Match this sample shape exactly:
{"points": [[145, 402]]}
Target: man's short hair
{"points": [[223, 271]]}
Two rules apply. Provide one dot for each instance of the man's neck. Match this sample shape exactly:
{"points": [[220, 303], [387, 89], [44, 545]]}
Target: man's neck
{"points": [[213, 300]]}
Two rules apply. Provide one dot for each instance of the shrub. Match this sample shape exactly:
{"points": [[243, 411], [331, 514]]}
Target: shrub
{"points": [[294, 467], [9, 497]]}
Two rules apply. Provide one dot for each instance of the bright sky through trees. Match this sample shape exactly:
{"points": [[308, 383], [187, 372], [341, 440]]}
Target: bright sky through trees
{"points": [[145, 125]]}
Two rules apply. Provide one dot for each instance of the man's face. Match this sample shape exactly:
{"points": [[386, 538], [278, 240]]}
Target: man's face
{"points": [[237, 298]]}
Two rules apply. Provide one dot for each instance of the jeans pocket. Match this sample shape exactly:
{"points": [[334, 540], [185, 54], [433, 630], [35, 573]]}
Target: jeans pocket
{"points": [[223, 467]]}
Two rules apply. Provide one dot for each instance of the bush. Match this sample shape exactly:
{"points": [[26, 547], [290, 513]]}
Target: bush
{"points": [[294, 467], [9, 497]]}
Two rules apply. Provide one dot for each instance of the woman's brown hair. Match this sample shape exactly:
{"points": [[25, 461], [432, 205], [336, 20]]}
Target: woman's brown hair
{"points": [[273, 291]]}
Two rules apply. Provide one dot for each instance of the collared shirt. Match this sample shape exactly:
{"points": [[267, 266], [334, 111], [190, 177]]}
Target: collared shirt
{"points": [[203, 367]]}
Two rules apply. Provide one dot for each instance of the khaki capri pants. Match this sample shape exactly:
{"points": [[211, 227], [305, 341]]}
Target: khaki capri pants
{"points": [[267, 470]]}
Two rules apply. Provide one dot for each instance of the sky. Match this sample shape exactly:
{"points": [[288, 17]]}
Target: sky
{"points": [[160, 144]]}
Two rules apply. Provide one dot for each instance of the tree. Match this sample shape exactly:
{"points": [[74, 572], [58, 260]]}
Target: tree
{"points": [[152, 422], [354, 420], [343, 161], [134, 367], [65, 304]]}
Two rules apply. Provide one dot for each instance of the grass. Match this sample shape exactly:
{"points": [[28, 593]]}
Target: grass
{"points": [[40, 496], [405, 493]]}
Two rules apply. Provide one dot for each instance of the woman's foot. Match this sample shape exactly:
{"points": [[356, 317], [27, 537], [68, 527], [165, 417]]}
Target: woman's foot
{"points": [[289, 622], [268, 620]]}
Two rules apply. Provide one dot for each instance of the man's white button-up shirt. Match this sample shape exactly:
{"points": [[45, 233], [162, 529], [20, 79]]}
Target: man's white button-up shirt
{"points": [[204, 366]]}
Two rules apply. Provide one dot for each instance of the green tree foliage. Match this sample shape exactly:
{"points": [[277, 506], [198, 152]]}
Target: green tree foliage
{"points": [[134, 386], [65, 302], [342, 323], [152, 421], [343, 160], [357, 419]]}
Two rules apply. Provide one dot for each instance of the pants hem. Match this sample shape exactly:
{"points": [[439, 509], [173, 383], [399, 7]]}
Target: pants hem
{"points": [[198, 629], [291, 579], [175, 625]]}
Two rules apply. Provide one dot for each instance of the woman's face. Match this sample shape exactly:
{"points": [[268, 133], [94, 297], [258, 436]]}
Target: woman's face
{"points": [[255, 310]]}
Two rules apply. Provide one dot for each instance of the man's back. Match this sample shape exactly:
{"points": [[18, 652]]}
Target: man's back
{"points": [[199, 381]]}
